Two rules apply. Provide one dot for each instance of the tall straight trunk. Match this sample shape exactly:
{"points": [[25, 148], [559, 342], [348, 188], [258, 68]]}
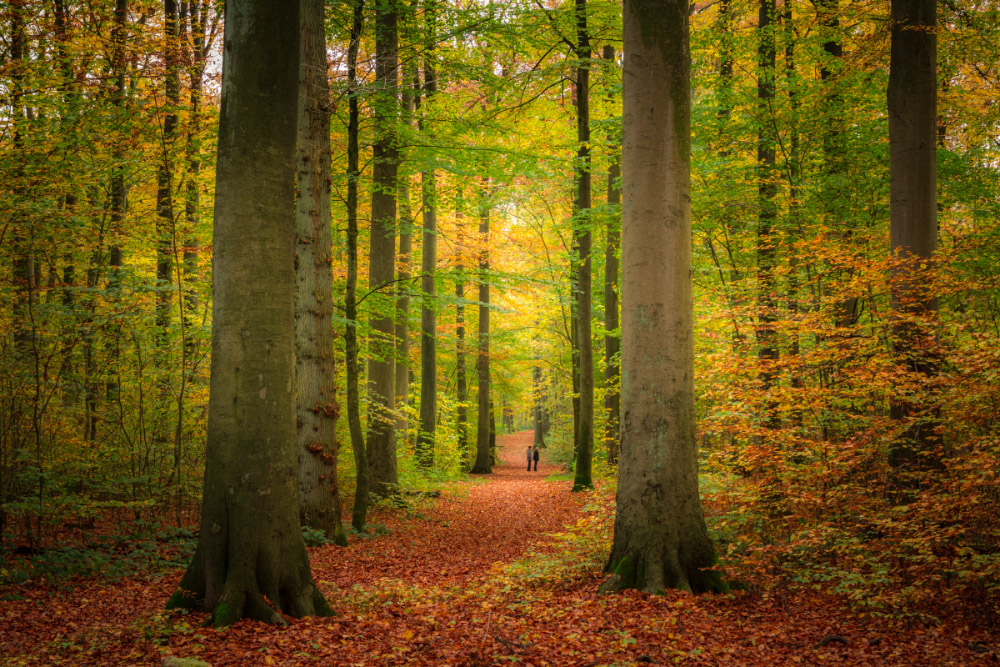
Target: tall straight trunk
{"points": [[767, 209], [612, 339], [200, 21], [725, 90], [359, 511], [382, 258], [660, 539], [836, 192], [165, 177], [574, 339], [118, 194], [250, 561], [483, 464], [461, 386], [315, 372], [428, 266], [793, 172], [582, 233], [912, 106], [537, 405], [404, 274]]}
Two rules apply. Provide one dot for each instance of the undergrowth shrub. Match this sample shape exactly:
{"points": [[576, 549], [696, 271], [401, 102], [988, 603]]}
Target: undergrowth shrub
{"points": [[804, 492]]}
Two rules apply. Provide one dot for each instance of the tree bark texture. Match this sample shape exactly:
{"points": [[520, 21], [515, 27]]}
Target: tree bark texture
{"points": [[767, 209], [428, 266], [382, 258], [660, 538], [250, 561], [582, 232], [359, 511], [537, 406], [165, 176], [912, 106], [483, 464], [461, 380], [612, 339], [316, 403]]}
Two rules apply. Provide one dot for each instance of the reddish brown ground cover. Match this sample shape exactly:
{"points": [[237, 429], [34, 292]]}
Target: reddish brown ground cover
{"points": [[489, 574]]}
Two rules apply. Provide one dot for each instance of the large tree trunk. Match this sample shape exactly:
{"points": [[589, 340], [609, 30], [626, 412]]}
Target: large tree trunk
{"points": [[250, 561], [612, 339], [428, 266], [382, 259], [360, 509], [582, 233], [483, 463], [660, 539], [912, 105], [316, 404]]}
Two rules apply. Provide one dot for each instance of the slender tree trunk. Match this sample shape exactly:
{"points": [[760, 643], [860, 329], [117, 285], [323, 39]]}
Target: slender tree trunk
{"points": [[199, 23], [118, 196], [360, 508], [461, 387], [483, 463], [767, 190], [582, 233], [537, 405], [428, 314], [612, 339], [316, 403], [660, 538], [794, 174], [250, 561], [836, 192], [382, 258], [912, 105], [164, 181], [403, 275]]}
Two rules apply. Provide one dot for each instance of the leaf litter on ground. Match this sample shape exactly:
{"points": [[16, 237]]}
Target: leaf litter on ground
{"points": [[499, 573]]}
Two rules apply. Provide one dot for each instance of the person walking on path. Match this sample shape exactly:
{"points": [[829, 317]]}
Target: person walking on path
{"points": [[529, 457], [535, 457]]}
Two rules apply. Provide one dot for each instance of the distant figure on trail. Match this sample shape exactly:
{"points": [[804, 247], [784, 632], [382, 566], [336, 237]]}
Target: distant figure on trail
{"points": [[529, 457], [535, 457]]}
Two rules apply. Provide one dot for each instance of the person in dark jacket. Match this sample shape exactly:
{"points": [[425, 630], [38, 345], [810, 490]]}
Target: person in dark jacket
{"points": [[534, 457]]}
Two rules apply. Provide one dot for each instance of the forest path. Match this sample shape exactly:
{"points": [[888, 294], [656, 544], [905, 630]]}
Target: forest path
{"points": [[494, 519], [498, 570]]}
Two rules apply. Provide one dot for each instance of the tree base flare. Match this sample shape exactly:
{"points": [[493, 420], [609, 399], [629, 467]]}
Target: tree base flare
{"points": [[656, 578], [252, 594]]}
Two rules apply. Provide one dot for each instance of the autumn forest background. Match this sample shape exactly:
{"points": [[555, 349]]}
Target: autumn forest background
{"points": [[461, 288]]}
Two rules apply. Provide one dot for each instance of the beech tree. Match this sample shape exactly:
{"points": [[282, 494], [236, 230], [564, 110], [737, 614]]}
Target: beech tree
{"points": [[483, 463], [250, 561], [660, 538], [381, 441], [582, 238], [316, 405], [612, 341], [359, 511], [912, 105], [428, 267]]}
